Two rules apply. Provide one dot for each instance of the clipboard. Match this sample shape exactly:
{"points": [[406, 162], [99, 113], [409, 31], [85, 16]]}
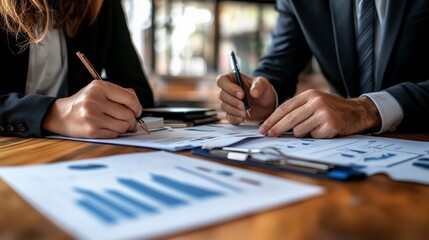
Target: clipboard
{"points": [[339, 173]]}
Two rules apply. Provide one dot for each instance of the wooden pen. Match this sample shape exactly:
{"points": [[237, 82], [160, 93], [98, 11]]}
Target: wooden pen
{"points": [[96, 76]]}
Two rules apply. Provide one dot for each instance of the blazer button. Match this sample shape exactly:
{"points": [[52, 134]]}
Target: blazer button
{"points": [[10, 128], [21, 127]]}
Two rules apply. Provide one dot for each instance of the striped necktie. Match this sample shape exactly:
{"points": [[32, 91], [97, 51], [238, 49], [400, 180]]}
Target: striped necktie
{"points": [[365, 44]]}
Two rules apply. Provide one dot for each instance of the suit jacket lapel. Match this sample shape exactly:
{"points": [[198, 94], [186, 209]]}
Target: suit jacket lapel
{"points": [[14, 61], [395, 12], [344, 35]]}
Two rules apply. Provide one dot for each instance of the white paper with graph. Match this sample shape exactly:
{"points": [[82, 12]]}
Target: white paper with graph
{"points": [[356, 150], [402, 160], [147, 195]]}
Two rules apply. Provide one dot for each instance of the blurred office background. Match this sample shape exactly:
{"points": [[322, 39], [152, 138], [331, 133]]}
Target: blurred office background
{"points": [[185, 44]]}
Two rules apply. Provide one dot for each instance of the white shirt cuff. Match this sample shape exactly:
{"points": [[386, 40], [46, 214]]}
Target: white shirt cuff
{"points": [[390, 111]]}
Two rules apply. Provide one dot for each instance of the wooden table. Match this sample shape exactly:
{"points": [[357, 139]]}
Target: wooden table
{"points": [[375, 208]]}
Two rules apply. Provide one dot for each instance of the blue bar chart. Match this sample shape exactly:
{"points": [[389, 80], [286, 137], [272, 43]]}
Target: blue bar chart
{"points": [[110, 206]]}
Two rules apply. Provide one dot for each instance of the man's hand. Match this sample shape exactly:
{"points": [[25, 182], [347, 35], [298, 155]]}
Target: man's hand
{"points": [[100, 110], [261, 97], [322, 115]]}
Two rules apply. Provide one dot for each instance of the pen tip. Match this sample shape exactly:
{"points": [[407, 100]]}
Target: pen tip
{"points": [[248, 112], [144, 126]]}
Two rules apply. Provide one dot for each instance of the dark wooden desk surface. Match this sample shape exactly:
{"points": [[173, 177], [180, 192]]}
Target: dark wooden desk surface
{"points": [[375, 208]]}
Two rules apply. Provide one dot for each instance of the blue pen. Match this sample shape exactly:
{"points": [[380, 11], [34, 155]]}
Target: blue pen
{"points": [[235, 68]]}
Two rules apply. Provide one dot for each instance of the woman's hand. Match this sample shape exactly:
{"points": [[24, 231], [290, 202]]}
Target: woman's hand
{"points": [[100, 110]]}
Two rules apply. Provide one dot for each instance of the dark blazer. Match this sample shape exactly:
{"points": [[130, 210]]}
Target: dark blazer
{"points": [[325, 29], [106, 44]]}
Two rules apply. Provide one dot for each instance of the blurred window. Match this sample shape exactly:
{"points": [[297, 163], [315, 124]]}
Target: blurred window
{"points": [[194, 38]]}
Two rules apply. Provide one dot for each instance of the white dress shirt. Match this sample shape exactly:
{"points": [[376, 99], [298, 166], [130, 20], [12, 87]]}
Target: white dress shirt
{"points": [[47, 66]]}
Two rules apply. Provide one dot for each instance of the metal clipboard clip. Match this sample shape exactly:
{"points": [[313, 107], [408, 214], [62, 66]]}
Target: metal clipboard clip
{"points": [[274, 158]]}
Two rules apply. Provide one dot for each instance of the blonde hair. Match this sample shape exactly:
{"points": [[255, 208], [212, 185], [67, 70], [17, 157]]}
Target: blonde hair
{"points": [[33, 18]]}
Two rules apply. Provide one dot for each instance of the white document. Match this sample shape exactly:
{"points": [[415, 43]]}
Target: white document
{"points": [[356, 150], [181, 138], [408, 171], [147, 195], [368, 154]]}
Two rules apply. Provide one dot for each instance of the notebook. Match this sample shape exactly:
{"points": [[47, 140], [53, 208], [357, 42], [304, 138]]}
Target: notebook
{"points": [[182, 116], [180, 113], [154, 123]]}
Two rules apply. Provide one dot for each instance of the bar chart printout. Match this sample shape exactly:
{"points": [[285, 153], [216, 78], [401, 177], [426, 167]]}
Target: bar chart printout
{"points": [[147, 195]]}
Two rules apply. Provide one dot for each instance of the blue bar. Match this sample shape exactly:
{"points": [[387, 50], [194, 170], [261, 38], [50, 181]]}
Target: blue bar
{"points": [[224, 173], [132, 201], [117, 208], [382, 157], [357, 151], [96, 211], [210, 179], [347, 155], [188, 189], [84, 167], [152, 193], [422, 165]]}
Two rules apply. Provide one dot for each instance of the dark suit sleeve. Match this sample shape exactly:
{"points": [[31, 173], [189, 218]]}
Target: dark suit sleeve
{"points": [[123, 66], [20, 115], [23, 116], [288, 53], [414, 100]]}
